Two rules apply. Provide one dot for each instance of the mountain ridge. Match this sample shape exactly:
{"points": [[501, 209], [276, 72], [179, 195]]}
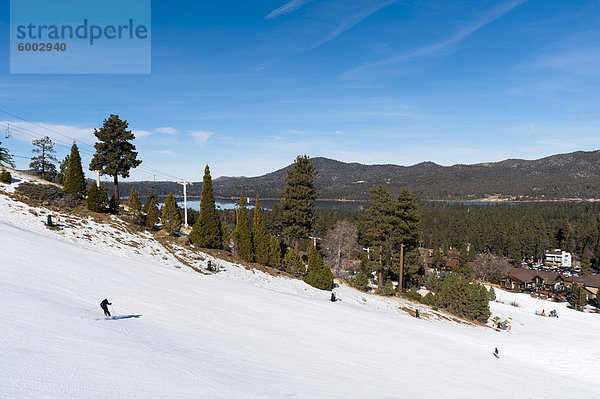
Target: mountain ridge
{"points": [[555, 177]]}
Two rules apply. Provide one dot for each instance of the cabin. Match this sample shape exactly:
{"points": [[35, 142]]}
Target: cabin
{"points": [[519, 279]]}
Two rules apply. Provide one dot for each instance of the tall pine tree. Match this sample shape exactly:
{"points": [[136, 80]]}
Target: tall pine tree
{"points": [[274, 252], [171, 217], [152, 215], [298, 200], [135, 207], [260, 237], [242, 234], [115, 155], [376, 228], [43, 163], [74, 178], [207, 231]]}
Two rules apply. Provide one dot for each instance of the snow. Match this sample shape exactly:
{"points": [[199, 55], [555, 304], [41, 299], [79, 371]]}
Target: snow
{"points": [[247, 334]]}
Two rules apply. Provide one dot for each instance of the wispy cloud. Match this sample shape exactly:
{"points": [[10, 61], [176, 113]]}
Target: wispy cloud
{"points": [[167, 130], [141, 133], [201, 136], [445, 44], [62, 134], [287, 8], [351, 21]]}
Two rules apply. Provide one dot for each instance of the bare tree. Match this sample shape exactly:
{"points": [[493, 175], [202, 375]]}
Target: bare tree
{"points": [[341, 245], [486, 265], [43, 163]]}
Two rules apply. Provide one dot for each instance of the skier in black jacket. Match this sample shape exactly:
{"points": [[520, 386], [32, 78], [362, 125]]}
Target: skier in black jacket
{"points": [[104, 305]]}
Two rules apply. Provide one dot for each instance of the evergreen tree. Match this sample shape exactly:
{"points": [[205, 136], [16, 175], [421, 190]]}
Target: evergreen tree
{"points": [[171, 218], [74, 182], [152, 215], [42, 164], [298, 200], [207, 232], [97, 198], [317, 274], [5, 157], [274, 252], [292, 263], [62, 170], [115, 155], [376, 228], [586, 264], [151, 197], [576, 296], [135, 207], [406, 230], [260, 237], [243, 235], [492, 294]]}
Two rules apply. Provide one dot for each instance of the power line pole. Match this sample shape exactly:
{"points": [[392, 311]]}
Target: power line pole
{"points": [[184, 184]]}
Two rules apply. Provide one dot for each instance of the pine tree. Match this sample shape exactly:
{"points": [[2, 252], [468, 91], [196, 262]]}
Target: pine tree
{"points": [[317, 274], [5, 157], [576, 296], [152, 215], [260, 237], [274, 252], [376, 227], [586, 264], [74, 178], [492, 294], [97, 198], [115, 155], [62, 170], [151, 197], [42, 164], [135, 207], [242, 234], [207, 232], [292, 263], [298, 200], [171, 218]]}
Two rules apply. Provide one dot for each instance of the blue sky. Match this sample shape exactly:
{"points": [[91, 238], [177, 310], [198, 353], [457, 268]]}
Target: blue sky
{"points": [[246, 86]]}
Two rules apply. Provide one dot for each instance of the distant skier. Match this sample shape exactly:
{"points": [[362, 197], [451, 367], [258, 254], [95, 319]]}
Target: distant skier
{"points": [[417, 314], [496, 353], [104, 305], [333, 298]]}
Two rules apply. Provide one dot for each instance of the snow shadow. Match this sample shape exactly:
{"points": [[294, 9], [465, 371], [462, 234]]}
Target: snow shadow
{"points": [[128, 316]]}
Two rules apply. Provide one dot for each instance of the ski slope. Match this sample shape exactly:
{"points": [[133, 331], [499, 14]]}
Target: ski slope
{"points": [[245, 334]]}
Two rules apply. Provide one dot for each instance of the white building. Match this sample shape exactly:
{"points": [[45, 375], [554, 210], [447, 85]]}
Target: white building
{"points": [[558, 258]]}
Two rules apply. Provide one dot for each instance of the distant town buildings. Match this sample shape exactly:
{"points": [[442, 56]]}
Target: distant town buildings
{"points": [[558, 258]]}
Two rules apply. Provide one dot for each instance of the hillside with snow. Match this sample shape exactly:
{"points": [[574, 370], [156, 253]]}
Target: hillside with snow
{"points": [[181, 332]]}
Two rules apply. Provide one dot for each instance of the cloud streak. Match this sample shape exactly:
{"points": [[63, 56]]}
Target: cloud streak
{"points": [[287, 8], [201, 136], [444, 45]]}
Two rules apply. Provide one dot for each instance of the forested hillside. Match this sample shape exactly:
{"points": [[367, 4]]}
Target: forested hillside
{"points": [[573, 175]]}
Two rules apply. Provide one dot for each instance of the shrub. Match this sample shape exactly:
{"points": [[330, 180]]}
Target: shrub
{"points": [[97, 198], [48, 192], [387, 289], [361, 280], [5, 177], [492, 294], [414, 295]]}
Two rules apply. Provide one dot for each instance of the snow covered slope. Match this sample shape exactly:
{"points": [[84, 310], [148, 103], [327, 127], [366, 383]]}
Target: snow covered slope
{"points": [[243, 334]]}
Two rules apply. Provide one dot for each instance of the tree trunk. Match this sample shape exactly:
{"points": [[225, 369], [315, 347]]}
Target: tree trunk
{"points": [[297, 245], [116, 177], [401, 276], [380, 279]]}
